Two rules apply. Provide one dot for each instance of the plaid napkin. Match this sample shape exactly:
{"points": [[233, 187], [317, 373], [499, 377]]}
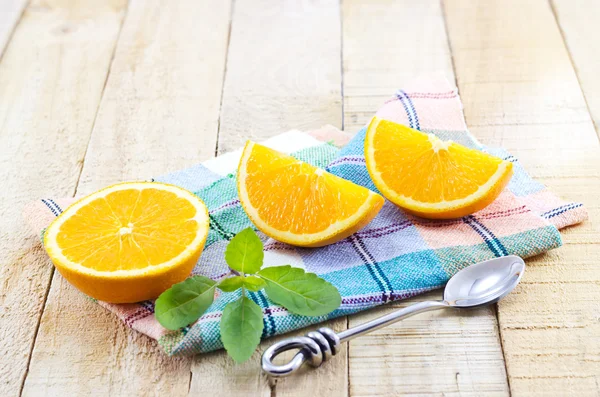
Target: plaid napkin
{"points": [[395, 257]]}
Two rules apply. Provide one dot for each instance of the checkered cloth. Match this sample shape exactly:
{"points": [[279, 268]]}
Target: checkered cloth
{"points": [[396, 256]]}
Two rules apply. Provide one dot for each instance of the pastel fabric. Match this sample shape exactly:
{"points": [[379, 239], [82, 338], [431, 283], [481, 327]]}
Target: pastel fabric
{"points": [[395, 257]]}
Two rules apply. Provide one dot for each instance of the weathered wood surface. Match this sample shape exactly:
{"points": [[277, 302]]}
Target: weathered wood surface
{"points": [[10, 13], [578, 21], [95, 92], [521, 91], [283, 70], [158, 113], [51, 79]]}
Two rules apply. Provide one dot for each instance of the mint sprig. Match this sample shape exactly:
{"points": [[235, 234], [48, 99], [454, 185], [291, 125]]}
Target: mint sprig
{"points": [[242, 321]]}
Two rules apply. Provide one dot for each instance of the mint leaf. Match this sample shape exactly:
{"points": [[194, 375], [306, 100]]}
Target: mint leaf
{"points": [[244, 252], [231, 284], [184, 302], [253, 284], [302, 293], [241, 328]]}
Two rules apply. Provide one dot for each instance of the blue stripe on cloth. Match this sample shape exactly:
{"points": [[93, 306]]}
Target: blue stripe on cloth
{"points": [[380, 272], [55, 211], [560, 210], [409, 108], [488, 237], [56, 205], [382, 282]]}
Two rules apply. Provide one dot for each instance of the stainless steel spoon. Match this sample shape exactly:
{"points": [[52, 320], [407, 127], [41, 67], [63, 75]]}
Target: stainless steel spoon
{"points": [[475, 286]]}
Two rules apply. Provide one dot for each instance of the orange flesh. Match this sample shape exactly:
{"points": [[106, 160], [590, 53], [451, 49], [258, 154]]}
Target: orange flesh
{"points": [[410, 165], [293, 196], [129, 229]]}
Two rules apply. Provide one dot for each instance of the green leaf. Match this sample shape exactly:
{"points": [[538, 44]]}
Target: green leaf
{"points": [[302, 293], [231, 284], [241, 328], [184, 302], [244, 252], [254, 284], [251, 283]]}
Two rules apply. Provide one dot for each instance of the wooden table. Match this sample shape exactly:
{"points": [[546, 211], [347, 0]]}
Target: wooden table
{"points": [[95, 91]]}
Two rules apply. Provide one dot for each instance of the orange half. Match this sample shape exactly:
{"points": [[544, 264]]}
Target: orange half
{"points": [[128, 242]]}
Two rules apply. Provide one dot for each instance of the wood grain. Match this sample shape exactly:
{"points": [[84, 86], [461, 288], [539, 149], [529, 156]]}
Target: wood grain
{"points": [[283, 72], [386, 44], [51, 80], [578, 22], [433, 354], [159, 113], [10, 13], [520, 90]]}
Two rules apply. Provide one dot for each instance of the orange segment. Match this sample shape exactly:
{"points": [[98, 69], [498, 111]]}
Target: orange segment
{"points": [[430, 177], [297, 203], [129, 242]]}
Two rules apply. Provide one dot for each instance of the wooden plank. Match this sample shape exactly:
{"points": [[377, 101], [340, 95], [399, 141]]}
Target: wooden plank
{"points": [[578, 23], [436, 353], [385, 44], [158, 113], [577, 20], [521, 90], [283, 72], [50, 88], [10, 13]]}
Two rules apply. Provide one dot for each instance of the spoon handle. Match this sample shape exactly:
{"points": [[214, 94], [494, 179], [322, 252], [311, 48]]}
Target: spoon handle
{"points": [[318, 346]]}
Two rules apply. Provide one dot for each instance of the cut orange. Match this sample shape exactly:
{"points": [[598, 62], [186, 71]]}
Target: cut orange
{"points": [[299, 204], [128, 242], [430, 177]]}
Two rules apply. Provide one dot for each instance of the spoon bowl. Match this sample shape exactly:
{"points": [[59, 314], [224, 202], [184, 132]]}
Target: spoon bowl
{"points": [[484, 283]]}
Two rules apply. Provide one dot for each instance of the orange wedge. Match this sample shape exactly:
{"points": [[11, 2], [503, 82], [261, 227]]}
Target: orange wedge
{"points": [[299, 204], [128, 242], [430, 177]]}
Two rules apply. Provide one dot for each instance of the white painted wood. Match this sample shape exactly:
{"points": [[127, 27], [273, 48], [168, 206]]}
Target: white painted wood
{"points": [[432, 354], [578, 20], [521, 90], [50, 88], [159, 113], [387, 44], [10, 14], [283, 72]]}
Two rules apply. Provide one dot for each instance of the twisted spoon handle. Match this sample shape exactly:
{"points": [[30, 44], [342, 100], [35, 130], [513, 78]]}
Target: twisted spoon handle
{"points": [[320, 345]]}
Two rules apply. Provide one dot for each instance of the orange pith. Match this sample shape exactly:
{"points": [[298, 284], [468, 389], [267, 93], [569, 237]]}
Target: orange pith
{"points": [[128, 242], [298, 203], [430, 177]]}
